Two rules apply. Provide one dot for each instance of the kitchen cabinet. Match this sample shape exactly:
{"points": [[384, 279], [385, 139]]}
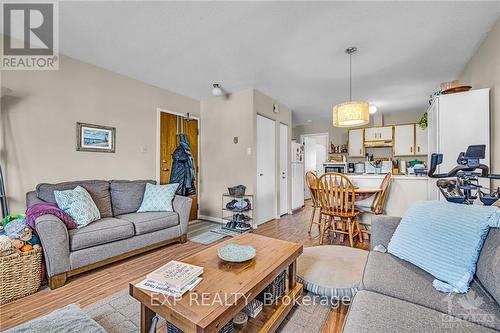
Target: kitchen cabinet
{"points": [[378, 133], [404, 140], [356, 143], [421, 140]]}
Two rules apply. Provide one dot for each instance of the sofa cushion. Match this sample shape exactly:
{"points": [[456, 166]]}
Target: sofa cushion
{"points": [[488, 265], [98, 190], [79, 205], [376, 313], [127, 195], [103, 231], [158, 198], [389, 275], [151, 221]]}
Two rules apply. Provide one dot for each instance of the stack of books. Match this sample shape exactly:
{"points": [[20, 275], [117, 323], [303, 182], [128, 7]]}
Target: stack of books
{"points": [[173, 279], [253, 308]]}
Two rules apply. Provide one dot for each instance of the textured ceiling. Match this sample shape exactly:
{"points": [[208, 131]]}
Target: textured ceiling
{"points": [[293, 51]]}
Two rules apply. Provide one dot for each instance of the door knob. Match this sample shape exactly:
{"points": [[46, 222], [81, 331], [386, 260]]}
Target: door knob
{"points": [[261, 174], [164, 169], [164, 161]]}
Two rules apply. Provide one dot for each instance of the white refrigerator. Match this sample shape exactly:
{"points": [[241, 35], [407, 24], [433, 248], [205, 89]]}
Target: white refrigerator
{"points": [[456, 121], [297, 175]]}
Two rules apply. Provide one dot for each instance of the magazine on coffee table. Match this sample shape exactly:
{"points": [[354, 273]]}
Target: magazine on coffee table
{"points": [[157, 286], [176, 274]]}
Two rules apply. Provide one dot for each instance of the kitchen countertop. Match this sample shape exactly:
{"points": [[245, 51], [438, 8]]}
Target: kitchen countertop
{"points": [[380, 176]]}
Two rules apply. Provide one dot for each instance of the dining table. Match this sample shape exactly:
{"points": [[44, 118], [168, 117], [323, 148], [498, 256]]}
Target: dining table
{"points": [[362, 193]]}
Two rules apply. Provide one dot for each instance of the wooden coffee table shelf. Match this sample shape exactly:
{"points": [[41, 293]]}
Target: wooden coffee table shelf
{"points": [[271, 317], [245, 280]]}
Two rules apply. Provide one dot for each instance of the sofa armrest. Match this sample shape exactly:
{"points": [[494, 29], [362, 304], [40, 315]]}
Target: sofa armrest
{"points": [[383, 227], [182, 206], [32, 199], [55, 242]]}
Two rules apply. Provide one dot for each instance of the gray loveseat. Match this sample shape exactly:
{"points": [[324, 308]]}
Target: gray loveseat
{"points": [[120, 233], [397, 296]]}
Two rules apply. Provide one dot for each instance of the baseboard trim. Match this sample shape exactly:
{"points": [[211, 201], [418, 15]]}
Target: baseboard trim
{"points": [[210, 218]]}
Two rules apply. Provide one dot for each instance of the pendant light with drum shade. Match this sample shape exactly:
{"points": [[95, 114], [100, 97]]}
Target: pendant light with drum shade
{"points": [[351, 114]]}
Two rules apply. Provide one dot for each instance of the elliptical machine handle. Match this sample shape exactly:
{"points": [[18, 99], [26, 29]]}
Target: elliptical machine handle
{"points": [[436, 159]]}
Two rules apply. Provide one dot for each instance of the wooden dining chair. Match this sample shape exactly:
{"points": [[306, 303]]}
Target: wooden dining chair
{"points": [[378, 204], [312, 185], [337, 200]]}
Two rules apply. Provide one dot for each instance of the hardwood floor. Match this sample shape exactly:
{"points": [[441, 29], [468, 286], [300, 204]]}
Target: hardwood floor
{"points": [[90, 287]]}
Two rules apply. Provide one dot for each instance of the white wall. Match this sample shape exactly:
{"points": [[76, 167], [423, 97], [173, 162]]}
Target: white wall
{"points": [[38, 125], [483, 71], [223, 162]]}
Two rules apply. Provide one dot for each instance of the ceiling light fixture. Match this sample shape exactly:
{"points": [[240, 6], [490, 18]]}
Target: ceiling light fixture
{"points": [[372, 109], [216, 90], [351, 113]]}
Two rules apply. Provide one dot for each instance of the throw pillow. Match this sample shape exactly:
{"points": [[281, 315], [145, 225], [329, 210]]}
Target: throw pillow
{"points": [[78, 204], [444, 239], [158, 198]]}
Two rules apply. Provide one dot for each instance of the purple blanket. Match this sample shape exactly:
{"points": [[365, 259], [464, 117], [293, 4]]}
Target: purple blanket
{"points": [[43, 208]]}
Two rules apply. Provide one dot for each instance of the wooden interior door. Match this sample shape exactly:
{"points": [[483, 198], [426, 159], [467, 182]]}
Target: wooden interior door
{"points": [[168, 143], [170, 126]]}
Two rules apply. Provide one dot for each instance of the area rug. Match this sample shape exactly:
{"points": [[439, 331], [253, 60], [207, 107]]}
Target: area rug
{"points": [[206, 233], [208, 237], [120, 313]]}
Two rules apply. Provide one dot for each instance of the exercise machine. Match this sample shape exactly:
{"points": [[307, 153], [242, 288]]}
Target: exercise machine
{"points": [[465, 189]]}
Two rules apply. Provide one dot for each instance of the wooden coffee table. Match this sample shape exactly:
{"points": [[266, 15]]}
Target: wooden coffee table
{"points": [[226, 287]]}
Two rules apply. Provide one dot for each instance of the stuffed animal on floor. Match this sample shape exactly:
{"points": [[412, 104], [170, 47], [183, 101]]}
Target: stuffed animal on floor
{"points": [[17, 228], [26, 248], [6, 246], [17, 243]]}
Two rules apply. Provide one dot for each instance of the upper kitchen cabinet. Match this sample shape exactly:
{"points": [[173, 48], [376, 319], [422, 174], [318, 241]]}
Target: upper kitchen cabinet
{"points": [[356, 143], [404, 140], [378, 133], [421, 140]]}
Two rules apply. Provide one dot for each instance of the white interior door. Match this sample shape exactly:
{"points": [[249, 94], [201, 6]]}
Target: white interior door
{"points": [[283, 169], [266, 170], [309, 160]]}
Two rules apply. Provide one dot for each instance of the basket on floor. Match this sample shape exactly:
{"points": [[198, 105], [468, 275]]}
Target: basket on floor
{"points": [[20, 274]]}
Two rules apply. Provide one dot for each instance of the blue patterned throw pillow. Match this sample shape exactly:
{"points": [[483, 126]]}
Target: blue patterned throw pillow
{"points": [[158, 198], [78, 204]]}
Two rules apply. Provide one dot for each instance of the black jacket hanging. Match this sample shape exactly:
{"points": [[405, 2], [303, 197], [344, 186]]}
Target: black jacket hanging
{"points": [[183, 168]]}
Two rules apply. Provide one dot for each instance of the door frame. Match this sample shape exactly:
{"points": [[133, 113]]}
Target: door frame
{"points": [[302, 136], [159, 111]]}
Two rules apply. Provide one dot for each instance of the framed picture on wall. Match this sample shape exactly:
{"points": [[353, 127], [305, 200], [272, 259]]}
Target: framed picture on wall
{"points": [[95, 138]]}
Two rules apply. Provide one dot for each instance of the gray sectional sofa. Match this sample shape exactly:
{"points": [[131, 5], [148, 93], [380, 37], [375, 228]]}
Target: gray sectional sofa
{"points": [[397, 296], [120, 233]]}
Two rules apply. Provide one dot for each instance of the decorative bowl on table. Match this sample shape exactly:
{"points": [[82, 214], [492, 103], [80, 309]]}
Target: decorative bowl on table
{"points": [[236, 253]]}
